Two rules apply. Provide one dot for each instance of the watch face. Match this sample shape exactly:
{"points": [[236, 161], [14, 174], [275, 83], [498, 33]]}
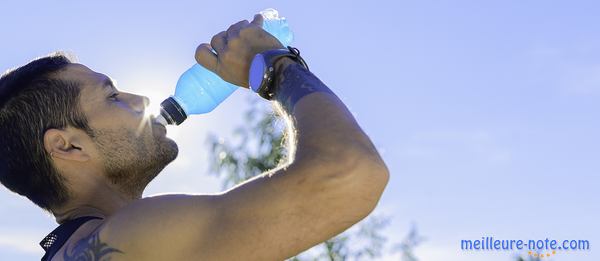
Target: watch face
{"points": [[257, 72]]}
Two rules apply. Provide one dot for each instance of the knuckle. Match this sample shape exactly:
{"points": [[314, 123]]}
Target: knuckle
{"points": [[232, 34], [213, 40], [233, 27], [218, 37], [201, 48], [241, 23]]}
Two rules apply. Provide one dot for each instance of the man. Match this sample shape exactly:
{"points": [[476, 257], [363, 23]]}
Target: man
{"points": [[84, 151]]}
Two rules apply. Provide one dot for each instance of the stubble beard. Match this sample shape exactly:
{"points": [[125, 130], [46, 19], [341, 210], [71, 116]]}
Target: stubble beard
{"points": [[132, 162]]}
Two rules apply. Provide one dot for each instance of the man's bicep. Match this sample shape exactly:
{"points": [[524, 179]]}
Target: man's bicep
{"points": [[166, 227], [273, 217]]}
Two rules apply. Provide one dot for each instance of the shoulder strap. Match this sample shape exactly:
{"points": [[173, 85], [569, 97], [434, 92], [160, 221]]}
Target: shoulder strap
{"points": [[57, 238]]}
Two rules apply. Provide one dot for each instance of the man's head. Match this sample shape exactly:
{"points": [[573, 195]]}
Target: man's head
{"points": [[67, 131]]}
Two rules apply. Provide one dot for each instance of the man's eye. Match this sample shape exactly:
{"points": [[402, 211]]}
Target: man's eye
{"points": [[113, 97]]}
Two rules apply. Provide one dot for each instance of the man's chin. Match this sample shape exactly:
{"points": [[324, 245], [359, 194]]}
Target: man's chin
{"points": [[168, 149]]}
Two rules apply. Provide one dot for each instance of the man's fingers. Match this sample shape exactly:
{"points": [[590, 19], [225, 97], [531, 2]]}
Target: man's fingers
{"points": [[258, 20], [219, 41], [206, 57], [234, 30], [238, 26]]}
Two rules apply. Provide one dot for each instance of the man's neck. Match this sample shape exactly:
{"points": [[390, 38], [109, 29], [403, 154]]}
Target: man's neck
{"points": [[79, 212], [102, 206]]}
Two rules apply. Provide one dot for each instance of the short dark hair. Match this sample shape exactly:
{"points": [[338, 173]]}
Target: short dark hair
{"points": [[34, 99]]}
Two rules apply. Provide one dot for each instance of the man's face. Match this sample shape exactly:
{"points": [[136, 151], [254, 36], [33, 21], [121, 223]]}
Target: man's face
{"points": [[131, 147]]}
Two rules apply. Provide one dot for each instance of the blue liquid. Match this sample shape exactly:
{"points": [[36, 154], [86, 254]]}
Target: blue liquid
{"points": [[200, 91]]}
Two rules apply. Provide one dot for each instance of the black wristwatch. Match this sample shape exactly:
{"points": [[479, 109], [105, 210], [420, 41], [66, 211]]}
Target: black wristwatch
{"points": [[261, 76]]}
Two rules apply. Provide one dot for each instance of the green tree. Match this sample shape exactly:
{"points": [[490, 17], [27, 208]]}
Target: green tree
{"points": [[259, 145], [409, 243]]}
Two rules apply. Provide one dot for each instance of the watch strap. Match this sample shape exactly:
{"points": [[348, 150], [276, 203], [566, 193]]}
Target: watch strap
{"points": [[267, 89]]}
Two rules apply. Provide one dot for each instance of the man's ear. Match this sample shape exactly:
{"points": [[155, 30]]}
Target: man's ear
{"points": [[65, 144]]}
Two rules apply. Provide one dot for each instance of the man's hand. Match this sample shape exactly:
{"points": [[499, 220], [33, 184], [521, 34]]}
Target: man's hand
{"points": [[235, 49]]}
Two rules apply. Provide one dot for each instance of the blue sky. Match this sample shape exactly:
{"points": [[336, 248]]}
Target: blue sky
{"points": [[486, 112]]}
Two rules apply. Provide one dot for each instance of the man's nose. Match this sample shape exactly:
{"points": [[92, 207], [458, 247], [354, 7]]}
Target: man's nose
{"points": [[139, 103]]}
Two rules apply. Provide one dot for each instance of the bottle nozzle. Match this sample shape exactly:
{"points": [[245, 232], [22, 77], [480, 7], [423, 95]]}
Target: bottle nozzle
{"points": [[161, 120], [171, 112]]}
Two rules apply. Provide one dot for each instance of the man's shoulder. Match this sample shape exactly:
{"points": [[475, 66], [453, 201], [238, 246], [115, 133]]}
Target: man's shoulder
{"points": [[136, 230], [84, 243]]}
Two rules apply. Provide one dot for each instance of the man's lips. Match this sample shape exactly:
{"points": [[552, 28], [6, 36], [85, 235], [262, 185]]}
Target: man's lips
{"points": [[156, 123]]}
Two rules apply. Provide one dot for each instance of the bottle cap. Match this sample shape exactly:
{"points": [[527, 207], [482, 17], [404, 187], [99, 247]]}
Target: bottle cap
{"points": [[172, 111]]}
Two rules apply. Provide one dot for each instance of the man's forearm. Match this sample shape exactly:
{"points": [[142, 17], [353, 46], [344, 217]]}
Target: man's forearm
{"points": [[322, 123], [325, 130]]}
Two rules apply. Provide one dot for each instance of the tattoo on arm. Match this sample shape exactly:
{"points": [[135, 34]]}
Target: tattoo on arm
{"points": [[90, 249], [296, 82]]}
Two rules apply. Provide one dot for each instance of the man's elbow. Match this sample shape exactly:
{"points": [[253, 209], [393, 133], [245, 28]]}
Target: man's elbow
{"points": [[383, 175], [363, 180], [375, 175]]}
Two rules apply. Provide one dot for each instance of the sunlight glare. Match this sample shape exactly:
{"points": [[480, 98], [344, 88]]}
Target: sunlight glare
{"points": [[152, 109]]}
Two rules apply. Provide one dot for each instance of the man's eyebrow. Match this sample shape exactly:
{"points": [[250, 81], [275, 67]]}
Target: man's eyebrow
{"points": [[108, 83]]}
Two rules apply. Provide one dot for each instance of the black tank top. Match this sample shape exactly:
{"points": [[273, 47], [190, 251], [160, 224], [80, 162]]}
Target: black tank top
{"points": [[57, 238]]}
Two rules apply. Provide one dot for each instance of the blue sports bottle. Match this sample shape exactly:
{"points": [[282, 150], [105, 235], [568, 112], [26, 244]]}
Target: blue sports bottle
{"points": [[199, 90]]}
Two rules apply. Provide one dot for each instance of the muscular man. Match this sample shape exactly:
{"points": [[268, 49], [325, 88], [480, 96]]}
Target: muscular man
{"points": [[83, 151]]}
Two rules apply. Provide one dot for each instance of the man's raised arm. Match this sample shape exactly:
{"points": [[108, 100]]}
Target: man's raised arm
{"points": [[334, 180]]}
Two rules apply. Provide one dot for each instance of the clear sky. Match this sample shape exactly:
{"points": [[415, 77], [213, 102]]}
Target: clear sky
{"points": [[486, 112]]}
